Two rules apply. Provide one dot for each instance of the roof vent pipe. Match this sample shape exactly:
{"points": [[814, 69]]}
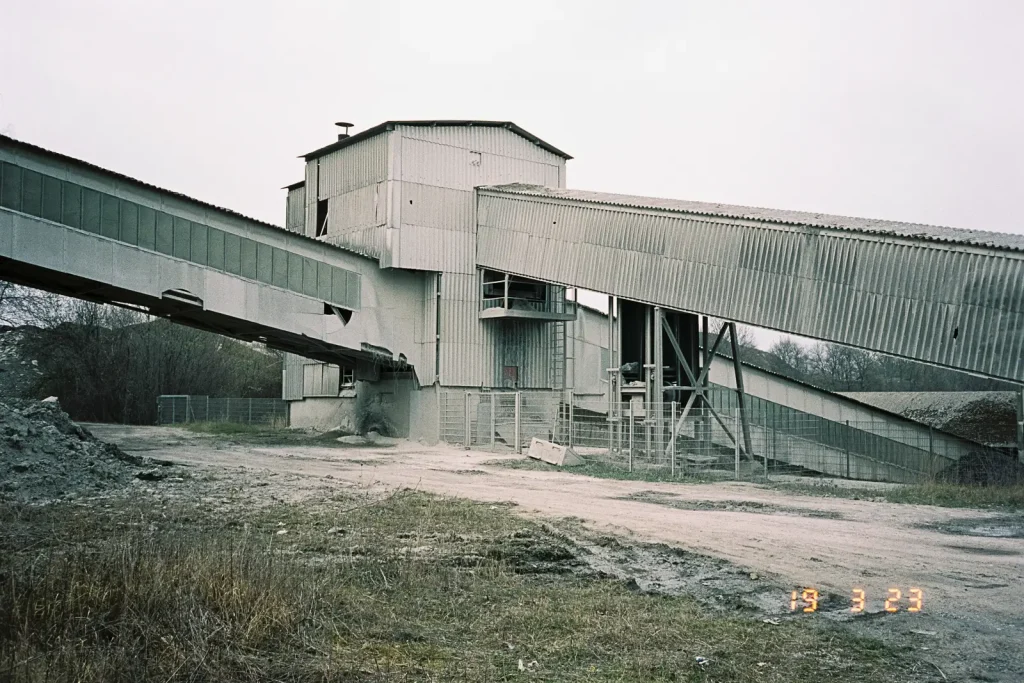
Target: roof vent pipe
{"points": [[346, 126]]}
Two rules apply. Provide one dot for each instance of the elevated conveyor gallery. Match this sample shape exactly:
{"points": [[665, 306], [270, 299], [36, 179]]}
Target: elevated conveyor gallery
{"points": [[940, 295], [72, 228]]}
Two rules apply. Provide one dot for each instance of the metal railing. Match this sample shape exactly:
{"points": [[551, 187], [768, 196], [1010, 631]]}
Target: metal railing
{"points": [[181, 409], [776, 441], [532, 305]]}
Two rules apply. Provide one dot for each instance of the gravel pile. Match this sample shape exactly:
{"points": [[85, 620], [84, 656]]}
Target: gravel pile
{"points": [[984, 469], [45, 456]]}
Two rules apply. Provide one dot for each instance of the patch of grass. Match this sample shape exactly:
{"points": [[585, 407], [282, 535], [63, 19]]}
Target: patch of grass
{"points": [[231, 428], [263, 435], [409, 587], [603, 470], [940, 494]]}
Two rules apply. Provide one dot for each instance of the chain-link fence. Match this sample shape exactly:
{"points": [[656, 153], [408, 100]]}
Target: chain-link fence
{"points": [[716, 439], [256, 411]]}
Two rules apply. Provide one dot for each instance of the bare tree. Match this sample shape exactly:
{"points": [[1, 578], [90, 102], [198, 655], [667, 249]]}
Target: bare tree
{"points": [[791, 355], [26, 306], [109, 364]]}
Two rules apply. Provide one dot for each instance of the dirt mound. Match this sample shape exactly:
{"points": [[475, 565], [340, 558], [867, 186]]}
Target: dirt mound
{"points": [[46, 456], [984, 469]]}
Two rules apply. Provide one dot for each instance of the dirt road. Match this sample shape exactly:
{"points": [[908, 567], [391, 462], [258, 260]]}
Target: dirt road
{"points": [[972, 580]]}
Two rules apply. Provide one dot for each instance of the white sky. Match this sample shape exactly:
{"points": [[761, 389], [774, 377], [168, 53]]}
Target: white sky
{"points": [[905, 110]]}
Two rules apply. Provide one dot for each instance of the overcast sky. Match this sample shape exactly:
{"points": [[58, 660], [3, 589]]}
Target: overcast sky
{"points": [[900, 110]]}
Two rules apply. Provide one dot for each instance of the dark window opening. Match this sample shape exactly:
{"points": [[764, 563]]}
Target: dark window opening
{"points": [[321, 217]]}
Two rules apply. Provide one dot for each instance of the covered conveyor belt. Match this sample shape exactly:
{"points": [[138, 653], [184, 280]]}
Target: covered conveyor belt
{"points": [[940, 295], [72, 228]]}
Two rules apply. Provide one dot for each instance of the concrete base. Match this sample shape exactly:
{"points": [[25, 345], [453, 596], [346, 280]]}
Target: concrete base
{"points": [[324, 414], [411, 411], [553, 454]]}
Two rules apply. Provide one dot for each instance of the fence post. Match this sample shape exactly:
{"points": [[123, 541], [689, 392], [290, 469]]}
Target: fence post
{"points": [[931, 452], [572, 418], [468, 425], [207, 407], [519, 405], [736, 443], [493, 426], [174, 413], [672, 443], [227, 409], [846, 448], [630, 436], [250, 411]]}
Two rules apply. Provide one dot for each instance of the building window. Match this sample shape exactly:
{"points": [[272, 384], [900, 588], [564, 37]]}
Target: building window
{"points": [[321, 217], [348, 377]]}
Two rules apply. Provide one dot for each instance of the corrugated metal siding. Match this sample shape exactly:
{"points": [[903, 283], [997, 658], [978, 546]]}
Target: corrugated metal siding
{"points": [[291, 385], [526, 344], [490, 140], [311, 183], [321, 379], [295, 210], [438, 169], [304, 378], [456, 168], [962, 307], [362, 164], [467, 345]]}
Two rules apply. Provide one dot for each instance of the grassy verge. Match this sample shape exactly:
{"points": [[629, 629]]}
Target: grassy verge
{"points": [[944, 495], [602, 470], [409, 587], [941, 494]]}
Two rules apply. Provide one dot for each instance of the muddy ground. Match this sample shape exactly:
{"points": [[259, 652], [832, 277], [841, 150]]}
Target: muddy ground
{"points": [[731, 545]]}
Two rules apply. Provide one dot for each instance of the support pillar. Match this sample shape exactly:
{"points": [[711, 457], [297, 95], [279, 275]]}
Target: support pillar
{"points": [[741, 394], [1020, 425], [658, 384]]}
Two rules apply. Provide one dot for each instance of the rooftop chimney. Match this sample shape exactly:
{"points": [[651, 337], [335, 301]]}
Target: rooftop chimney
{"points": [[346, 126]]}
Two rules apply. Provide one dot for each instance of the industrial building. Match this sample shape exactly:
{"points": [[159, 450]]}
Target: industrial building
{"points": [[434, 266]]}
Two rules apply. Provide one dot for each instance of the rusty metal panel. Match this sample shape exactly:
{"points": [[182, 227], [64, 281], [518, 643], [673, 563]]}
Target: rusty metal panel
{"points": [[926, 298]]}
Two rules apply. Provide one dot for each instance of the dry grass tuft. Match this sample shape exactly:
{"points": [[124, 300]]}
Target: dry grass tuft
{"points": [[409, 587]]}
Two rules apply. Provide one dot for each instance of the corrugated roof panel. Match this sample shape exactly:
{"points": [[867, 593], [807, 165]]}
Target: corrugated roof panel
{"points": [[979, 238], [845, 285], [390, 125]]}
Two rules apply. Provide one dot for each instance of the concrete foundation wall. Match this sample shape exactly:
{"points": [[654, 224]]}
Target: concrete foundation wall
{"points": [[324, 414]]}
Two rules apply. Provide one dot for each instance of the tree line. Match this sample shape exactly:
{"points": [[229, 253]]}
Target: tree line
{"points": [[109, 364]]}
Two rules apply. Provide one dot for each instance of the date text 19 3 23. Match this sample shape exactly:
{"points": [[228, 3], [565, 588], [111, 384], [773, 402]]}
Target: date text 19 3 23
{"points": [[806, 600]]}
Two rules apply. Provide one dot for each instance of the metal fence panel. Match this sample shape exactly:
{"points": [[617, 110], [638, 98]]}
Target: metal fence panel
{"points": [[259, 411], [708, 440]]}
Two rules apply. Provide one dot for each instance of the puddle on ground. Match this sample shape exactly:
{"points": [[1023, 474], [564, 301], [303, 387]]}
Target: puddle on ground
{"points": [[974, 550], [1007, 526], [672, 500]]}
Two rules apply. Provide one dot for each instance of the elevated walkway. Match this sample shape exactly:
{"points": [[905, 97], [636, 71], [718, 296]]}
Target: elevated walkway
{"points": [[75, 229], [939, 295]]}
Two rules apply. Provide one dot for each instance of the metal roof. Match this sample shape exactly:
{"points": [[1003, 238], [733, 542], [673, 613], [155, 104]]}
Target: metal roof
{"points": [[63, 158], [978, 238], [390, 125], [294, 186]]}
